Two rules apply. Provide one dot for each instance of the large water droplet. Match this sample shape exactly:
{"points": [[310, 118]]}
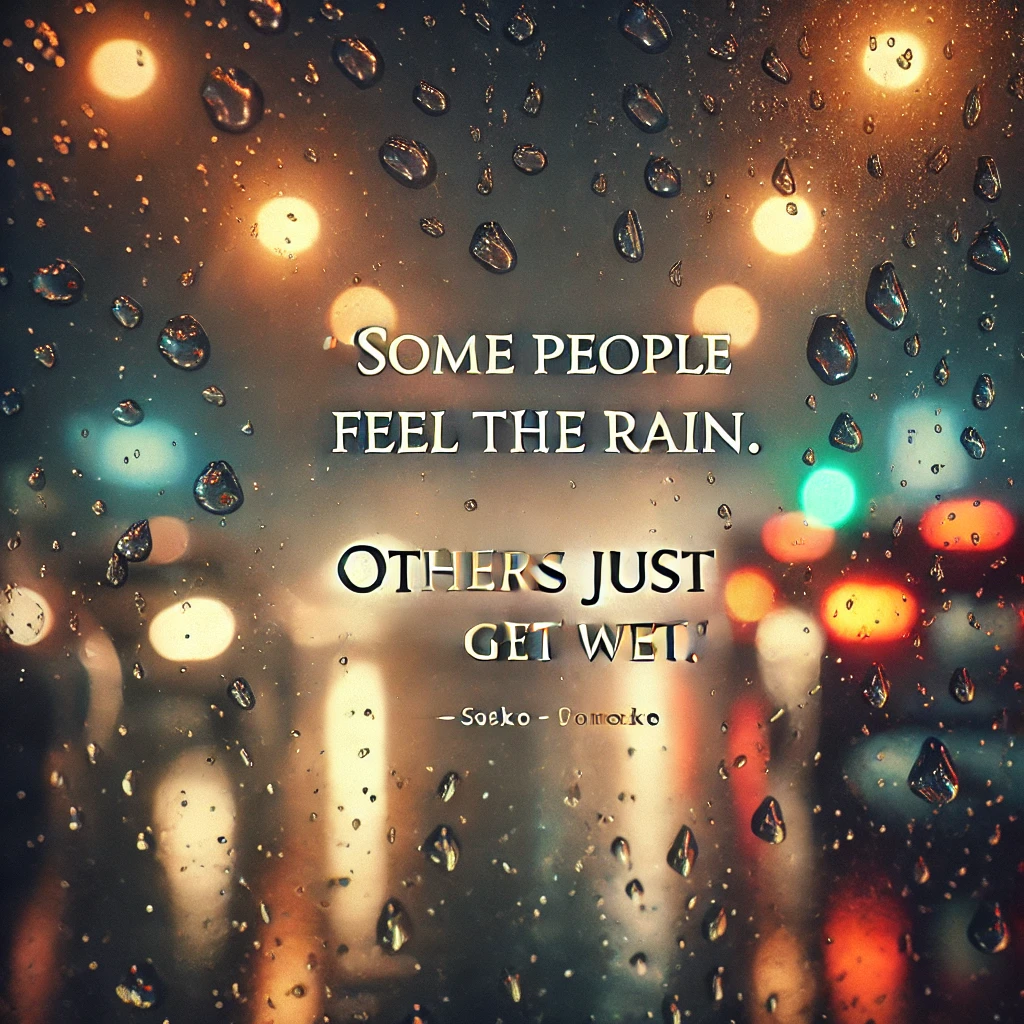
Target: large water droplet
{"points": [[645, 26], [268, 16], [961, 685], [831, 349], [933, 776], [987, 184], [644, 108], [984, 392], [885, 298], [662, 177], [521, 26], [359, 60], [442, 847], [845, 434], [782, 178], [876, 686], [129, 413], [973, 442], [990, 250], [409, 162], [394, 929], [233, 99], [530, 159], [629, 236], [492, 248], [141, 987], [60, 282], [242, 694], [682, 854], [972, 107], [126, 311], [430, 99], [217, 489], [988, 930], [136, 543], [183, 343], [767, 822], [775, 67]]}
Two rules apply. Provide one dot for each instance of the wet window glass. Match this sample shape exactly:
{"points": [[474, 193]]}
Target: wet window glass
{"points": [[510, 511]]}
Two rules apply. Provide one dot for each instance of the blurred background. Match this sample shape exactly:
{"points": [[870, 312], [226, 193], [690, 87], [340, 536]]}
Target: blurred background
{"points": [[181, 845]]}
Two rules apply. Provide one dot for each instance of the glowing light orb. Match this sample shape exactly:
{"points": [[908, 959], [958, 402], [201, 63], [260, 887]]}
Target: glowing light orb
{"points": [[868, 611], [728, 308], [970, 524], [197, 629], [792, 537], [828, 496], [749, 595], [358, 307], [170, 539], [286, 225], [894, 66], [25, 616], [122, 69], [780, 231]]}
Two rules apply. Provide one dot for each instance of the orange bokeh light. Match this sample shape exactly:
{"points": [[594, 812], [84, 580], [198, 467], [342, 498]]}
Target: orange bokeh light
{"points": [[791, 537], [867, 610], [968, 524], [749, 595], [865, 968]]}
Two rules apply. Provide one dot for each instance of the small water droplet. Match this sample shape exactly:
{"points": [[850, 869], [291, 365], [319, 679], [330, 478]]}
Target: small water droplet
{"points": [[409, 162], [430, 99], [972, 107], [126, 311], [973, 443], [644, 108], [60, 282], [885, 297], [217, 489], [775, 67], [990, 251], [832, 349], [629, 236], [521, 26], [11, 402], [782, 178], [662, 177], [984, 392], [214, 395], [268, 16], [533, 100], [183, 343], [394, 929], [530, 159], [845, 434], [941, 372], [242, 694], [933, 776], [431, 226], [446, 788], [492, 248], [682, 855], [876, 686], [987, 183], [938, 160], [645, 26], [442, 848], [988, 930], [359, 61], [961, 685], [128, 413], [141, 987], [767, 822], [136, 543]]}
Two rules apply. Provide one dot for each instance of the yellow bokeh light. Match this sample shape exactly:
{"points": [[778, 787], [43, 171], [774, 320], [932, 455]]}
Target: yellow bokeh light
{"points": [[728, 308], [197, 629], [286, 225], [122, 69], [25, 616], [784, 226], [358, 307], [897, 65]]}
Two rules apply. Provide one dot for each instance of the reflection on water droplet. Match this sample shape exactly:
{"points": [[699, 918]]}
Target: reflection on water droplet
{"points": [[37, 479], [126, 311], [941, 372], [987, 184], [60, 282], [973, 442], [644, 108], [629, 236], [845, 434], [533, 100], [214, 395], [767, 822], [442, 848], [972, 107], [409, 162], [682, 854], [832, 349], [933, 776], [233, 99], [430, 99], [662, 177], [724, 47], [359, 61], [984, 392], [530, 159], [990, 251], [217, 489], [431, 226], [961, 685], [394, 929], [128, 413], [645, 26], [492, 248], [876, 686], [141, 987], [10, 402], [715, 923], [268, 16], [521, 26], [183, 343], [775, 67], [988, 930], [782, 178], [447, 786], [242, 694], [117, 570], [485, 183], [136, 543], [620, 851], [912, 346], [885, 297]]}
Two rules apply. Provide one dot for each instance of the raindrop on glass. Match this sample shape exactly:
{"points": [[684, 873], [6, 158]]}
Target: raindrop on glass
{"points": [[242, 694], [233, 99], [682, 854], [409, 162], [990, 251], [359, 61], [217, 489], [845, 434], [984, 392], [775, 67], [831, 349], [644, 108], [876, 686], [183, 343], [126, 311], [533, 100], [662, 177], [442, 847], [961, 685], [430, 99], [782, 178], [60, 282], [136, 543], [885, 298], [987, 184], [129, 413], [973, 443], [645, 26], [394, 929], [530, 159], [629, 236], [492, 248], [767, 822], [933, 776], [988, 930]]}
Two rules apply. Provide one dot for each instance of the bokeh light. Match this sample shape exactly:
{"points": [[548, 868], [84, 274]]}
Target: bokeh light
{"points": [[781, 231], [828, 496], [790, 537], [967, 524], [887, 63], [170, 539], [868, 611], [196, 629], [728, 308], [749, 595], [122, 69], [358, 307], [25, 616], [287, 225]]}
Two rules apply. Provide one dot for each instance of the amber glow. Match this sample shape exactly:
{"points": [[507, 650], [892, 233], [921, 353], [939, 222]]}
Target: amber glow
{"points": [[170, 539], [728, 308], [749, 595], [868, 611], [358, 307], [122, 69], [780, 231], [196, 629], [25, 616], [889, 66], [969, 524], [865, 968], [791, 537], [286, 225]]}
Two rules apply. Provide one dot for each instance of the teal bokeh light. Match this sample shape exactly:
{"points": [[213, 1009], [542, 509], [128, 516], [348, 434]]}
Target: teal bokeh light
{"points": [[828, 496]]}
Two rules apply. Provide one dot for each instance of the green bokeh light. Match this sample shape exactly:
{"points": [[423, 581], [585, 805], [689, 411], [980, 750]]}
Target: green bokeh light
{"points": [[828, 496]]}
